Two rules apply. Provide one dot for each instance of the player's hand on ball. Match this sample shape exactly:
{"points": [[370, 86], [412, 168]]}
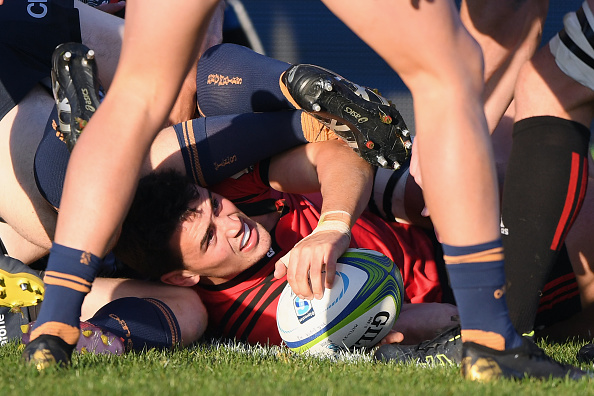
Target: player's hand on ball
{"points": [[311, 264]]}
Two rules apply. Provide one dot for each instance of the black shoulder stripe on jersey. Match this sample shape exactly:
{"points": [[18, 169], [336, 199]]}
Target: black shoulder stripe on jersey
{"points": [[263, 288], [585, 25], [237, 303], [243, 199], [256, 317], [573, 47], [389, 192]]}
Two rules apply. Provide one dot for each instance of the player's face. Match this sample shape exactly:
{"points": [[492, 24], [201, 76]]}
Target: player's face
{"points": [[218, 240]]}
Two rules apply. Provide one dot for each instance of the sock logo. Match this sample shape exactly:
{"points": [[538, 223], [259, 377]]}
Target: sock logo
{"points": [[498, 293], [217, 79], [85, 258], [227, 161], [504, 229]]}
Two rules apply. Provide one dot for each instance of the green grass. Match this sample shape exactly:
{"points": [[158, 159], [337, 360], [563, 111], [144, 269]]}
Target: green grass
{"points": [[230, 369]]}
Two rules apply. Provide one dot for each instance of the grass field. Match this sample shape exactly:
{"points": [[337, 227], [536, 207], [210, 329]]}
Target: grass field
{"points": [[231, 369]]}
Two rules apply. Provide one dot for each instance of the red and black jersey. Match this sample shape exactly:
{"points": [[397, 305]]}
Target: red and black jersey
{"points": [[244, 308]]}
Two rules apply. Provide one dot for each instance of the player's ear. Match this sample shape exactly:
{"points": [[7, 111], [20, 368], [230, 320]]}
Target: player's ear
{"points": [[180, 278]]}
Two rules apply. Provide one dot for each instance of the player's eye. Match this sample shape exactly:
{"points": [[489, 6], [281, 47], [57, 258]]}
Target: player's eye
{"points": [[210, 235], [215, 204]]}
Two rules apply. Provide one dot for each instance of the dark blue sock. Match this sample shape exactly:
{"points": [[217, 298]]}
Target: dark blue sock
{"points": [[231, 79], [68, 279], [478, 281], [215, 148], [141, 322]]}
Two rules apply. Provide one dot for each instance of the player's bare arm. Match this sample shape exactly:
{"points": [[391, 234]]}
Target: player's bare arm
{"points": [[322, 167]]}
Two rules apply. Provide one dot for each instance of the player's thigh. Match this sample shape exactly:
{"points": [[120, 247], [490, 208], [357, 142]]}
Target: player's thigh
{"points": [[103, 33], [21, 204], [580, 248], [19, 247], [424, 41], [543, 89]]}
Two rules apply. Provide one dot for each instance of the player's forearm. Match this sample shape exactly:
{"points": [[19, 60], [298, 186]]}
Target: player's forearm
{"points": [[346, 181]]}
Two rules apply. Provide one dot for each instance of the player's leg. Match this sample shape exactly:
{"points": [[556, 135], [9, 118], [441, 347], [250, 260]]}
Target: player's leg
{"points": [[444, 133], [18, 246], [104, 167], [30, 221], [154, 313], [21, 205], [509, 33], [234, 80], [581, 251], [103, 33], [456, 162], [121, 315], [397, 197], [548, 167]]}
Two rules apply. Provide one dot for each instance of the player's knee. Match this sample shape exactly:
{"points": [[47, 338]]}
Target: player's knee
{"points": [[459, 72], [191, 315]]}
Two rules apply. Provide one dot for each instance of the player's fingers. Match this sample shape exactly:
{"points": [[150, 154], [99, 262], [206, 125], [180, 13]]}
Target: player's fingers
{"points": [[298, 277], [330, 271], [392, 337], [280, 269], [316, 277]]}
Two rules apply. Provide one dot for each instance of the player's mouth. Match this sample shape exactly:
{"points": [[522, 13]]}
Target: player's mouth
{"points": [[247, 239]]}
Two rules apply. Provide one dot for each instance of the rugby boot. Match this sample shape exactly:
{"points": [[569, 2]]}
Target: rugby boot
{"points": [[48, 350], [92, 339], [586, 353], [20, 286], [480, 363], [364, 119], [445, 349], [76, 89], [21, 292]]}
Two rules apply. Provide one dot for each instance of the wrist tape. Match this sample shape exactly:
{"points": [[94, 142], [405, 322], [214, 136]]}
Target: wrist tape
{"points": [[335, 220]]}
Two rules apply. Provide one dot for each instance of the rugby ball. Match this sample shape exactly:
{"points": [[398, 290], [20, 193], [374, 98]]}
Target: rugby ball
{"points": [[357, 312]]}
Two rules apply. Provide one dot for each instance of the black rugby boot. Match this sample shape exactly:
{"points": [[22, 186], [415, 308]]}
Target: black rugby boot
{"points": [[372, 127], [445, 349], [480, 363], [76, 89]]}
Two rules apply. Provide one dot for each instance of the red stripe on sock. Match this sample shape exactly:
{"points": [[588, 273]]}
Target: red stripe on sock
{"points": [[558, 281], [559, 300], [569, 200], [558, 292]]}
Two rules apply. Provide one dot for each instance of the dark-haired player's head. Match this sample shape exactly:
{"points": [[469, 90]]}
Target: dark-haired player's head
{"points": [[179, 232]]}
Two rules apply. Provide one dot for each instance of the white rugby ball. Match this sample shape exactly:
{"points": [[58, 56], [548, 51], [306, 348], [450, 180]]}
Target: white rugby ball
{"points": [[357, 312]]}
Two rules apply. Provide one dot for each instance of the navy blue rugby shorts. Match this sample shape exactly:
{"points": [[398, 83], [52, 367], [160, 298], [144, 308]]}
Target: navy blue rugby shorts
{"points": [[30, 31]]}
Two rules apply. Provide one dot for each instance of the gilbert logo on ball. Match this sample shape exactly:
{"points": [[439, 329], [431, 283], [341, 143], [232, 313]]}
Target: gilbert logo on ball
{"points": [[357, 312]]}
